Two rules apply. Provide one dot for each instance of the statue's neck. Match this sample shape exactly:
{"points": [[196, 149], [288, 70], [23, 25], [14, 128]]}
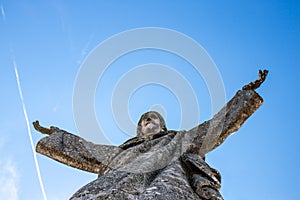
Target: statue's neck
{"points": [[138, 140]]}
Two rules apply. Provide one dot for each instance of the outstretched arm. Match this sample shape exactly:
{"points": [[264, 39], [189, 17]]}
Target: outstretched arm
{"points": [[74, 151], [229, 119]]}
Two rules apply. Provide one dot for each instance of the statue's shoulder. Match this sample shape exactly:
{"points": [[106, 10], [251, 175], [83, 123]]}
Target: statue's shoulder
{"points": [[131, 142]]}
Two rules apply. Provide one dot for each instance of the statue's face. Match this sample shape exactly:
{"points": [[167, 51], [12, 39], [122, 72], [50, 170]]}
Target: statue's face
{"points": [[150, 123]]}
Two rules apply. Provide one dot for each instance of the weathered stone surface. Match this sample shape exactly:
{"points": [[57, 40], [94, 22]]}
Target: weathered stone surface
{"points": [[167, 165], [75, 151]]}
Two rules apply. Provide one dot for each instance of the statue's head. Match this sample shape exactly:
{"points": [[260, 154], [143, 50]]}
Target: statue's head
{"points": [[151, 123]]}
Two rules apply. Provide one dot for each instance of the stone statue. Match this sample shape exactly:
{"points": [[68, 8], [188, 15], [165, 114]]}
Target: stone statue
{"points": [[157, 163]]}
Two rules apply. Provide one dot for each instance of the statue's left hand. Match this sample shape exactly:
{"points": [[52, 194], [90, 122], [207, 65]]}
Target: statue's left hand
{"points": [[254, 85]]}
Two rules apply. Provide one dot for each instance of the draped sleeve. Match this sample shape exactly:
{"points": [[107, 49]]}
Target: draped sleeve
{"points": [[76, 152], [210, 134]]}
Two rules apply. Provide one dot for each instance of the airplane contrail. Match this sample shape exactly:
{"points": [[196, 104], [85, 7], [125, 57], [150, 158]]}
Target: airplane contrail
{"points": [[3, 13], [29, 131]]}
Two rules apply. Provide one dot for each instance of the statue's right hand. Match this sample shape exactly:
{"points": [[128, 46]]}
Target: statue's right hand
{"points": [[41, 129]]}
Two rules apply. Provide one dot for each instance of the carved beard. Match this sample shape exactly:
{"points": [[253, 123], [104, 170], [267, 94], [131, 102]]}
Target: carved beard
{"points": [[151, 126], [150, 123]]}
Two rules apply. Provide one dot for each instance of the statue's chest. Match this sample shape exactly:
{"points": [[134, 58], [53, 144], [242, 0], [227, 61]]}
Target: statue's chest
{"points": [[150, 155]]}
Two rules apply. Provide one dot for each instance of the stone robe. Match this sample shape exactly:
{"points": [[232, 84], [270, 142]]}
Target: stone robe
{"points": [[168, 165]]}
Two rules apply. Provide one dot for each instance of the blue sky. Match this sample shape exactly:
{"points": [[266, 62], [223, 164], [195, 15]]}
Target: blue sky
{"points": [[49, 40]]}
